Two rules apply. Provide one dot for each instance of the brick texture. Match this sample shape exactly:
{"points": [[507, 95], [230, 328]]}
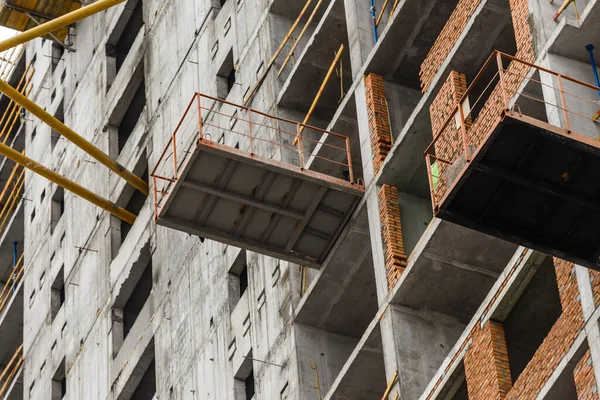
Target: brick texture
{"points": [[486, 364], [457, 23], [450, 142], [482, 369], [446, 40], [379, 126], [559, 340], [391, 233], [585, 382], [595, 281]]}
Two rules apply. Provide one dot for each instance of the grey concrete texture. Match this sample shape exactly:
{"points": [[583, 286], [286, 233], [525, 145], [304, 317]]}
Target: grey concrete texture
{"points": [[345, 335]]}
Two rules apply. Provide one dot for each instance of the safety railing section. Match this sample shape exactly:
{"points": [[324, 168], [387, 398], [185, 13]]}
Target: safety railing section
{"points": [[12, 115], [9, 60], [11, 195], [250, 132], [11, 286], [11, 371], [506, 83]]}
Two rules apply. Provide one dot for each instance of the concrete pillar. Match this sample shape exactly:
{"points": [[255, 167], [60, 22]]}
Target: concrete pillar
{"points": [[360, 32]]}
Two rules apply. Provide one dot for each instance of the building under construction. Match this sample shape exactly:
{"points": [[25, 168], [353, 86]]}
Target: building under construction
{"points": [[300, 199]]}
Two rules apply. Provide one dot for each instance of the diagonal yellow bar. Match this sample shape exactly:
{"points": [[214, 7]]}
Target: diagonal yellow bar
{"points": [[58, 23], [71, 186], [71, 135]]}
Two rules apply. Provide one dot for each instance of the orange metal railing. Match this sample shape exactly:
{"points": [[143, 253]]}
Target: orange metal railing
{"points": [[507, 85], [11, 371], [258, 135], [11, 285], [12, 112], [8, 61], [11, 195]]}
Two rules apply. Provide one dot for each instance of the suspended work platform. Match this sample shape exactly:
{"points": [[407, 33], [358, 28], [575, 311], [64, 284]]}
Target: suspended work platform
{"points": [[529, 179], [220, 178], [22, 15]]}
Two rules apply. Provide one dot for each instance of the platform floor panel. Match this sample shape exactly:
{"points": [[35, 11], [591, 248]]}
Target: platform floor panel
{"points": [[535, 185], [261, 205], [13, 13]]}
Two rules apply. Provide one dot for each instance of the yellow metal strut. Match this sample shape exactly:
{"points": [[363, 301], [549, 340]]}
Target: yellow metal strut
{"points": [[71, 186], [58, 23], [68, 133]]}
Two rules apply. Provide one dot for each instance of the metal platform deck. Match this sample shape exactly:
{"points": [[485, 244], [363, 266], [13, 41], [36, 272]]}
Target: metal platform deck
{"points": [[528, 181], [22, 15], [224, 192]]}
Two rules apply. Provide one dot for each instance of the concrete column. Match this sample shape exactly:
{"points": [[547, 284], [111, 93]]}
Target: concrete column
{"points": [[360, 32]]}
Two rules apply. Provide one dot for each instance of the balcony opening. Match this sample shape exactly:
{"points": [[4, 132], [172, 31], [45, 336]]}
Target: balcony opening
{"points": [[132, 115], [131, 299], [59, 115], [57, 208], [57, 293], [134, 205], [59, 382], [532, 317], [237, 280], [123, 36], [226, 77], [244, 385], [141, 385], [57, 54]]}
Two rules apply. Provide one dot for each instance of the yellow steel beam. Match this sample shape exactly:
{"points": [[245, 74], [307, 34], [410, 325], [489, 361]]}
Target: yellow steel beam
{"points": [[71, 135], [71, 186], [58, 23], [338, 55]]}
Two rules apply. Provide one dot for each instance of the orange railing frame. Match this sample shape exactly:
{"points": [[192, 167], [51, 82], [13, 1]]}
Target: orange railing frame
{"points": [[506, 99], [15, 279], [252, 124], [11, 195], [11, 370]]}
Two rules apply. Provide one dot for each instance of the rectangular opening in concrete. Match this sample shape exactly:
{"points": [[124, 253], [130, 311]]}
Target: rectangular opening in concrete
{"points": [[57, 292], [141, 384], [57, 54], [59, 382], [132, 115], [57, 208], [132, 297], [237, 279], [226, 76], [532, 317], [123, 36], [135, 203], [59, 115], [244, 385]]}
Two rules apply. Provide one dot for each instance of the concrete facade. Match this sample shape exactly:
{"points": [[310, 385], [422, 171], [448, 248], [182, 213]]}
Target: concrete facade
{"points": [[110, 311]]}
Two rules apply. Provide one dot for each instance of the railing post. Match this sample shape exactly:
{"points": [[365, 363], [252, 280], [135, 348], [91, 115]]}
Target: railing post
{"points": [[463, 130], [502, 81], [300, 145], [200, 123], [250, 131], [431, 187], [174, 139], [155, 198], [350, 170], [563, 103]]}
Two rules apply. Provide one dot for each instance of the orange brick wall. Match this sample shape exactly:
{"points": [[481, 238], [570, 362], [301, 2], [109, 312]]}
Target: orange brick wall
{"points": [[450, 142], [486, 364], [391, 233], [595, 281], [585, 381], [456, 25], [494, 105], [559, 340], [446, 40], [379, 127], [482, 385]]}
